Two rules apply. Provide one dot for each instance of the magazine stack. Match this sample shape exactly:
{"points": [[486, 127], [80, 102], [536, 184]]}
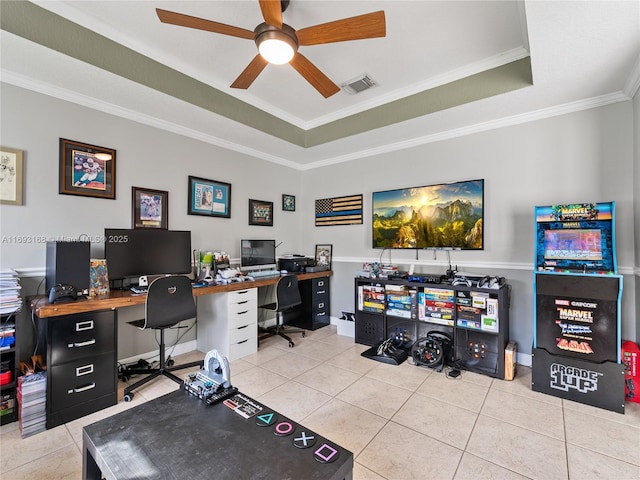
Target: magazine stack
{"points": [[10, 298], [32, 395]]}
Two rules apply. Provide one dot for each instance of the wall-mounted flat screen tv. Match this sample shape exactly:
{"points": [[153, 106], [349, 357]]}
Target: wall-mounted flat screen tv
{"points": [[446, 215]]}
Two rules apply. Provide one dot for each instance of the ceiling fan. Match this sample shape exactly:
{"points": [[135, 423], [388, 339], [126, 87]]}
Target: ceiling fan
{"points": [[278, 43]]}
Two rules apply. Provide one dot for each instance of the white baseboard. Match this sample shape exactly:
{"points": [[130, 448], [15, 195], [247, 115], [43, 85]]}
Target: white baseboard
{"points": [[179, 349], [185, 347], [523, 359]]}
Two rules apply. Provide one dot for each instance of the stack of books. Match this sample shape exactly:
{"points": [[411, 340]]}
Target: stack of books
{"points": [[10, 298], [32, 396]]}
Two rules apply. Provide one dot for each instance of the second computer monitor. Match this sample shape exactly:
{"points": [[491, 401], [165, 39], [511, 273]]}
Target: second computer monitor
{"points": [[257, 254]]}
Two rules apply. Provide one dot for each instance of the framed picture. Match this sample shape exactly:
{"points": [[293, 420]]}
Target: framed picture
{"points": [[260, 213], [10, 176], [288, 203], [87, 170], [209, 198], [149, 208], [323, 255]]}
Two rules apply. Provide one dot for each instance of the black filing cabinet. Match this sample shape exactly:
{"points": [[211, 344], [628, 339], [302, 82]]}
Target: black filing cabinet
{"points": [[315, 310], [81, 364]]}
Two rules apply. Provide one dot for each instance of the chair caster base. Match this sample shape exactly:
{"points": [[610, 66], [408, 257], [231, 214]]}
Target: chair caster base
{"points": [[128, 397]]}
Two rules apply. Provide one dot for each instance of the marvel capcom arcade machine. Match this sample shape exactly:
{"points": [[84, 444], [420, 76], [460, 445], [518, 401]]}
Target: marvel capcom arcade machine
{"points": [[576, 335]]}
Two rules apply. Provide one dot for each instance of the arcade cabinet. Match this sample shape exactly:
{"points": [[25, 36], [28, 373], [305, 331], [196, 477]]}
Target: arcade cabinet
{"points": [[576, 335]]}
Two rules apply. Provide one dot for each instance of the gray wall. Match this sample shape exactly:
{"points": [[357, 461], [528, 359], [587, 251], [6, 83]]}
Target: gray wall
{"points": [[145, 157], [584, 156], [578, 157], [636, 189]]}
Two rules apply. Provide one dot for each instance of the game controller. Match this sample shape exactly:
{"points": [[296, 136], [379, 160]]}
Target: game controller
{"points": [[62, 292]]}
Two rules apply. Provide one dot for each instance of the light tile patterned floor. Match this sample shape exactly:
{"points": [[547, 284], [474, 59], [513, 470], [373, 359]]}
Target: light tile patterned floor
{"points": [[401, 422]]}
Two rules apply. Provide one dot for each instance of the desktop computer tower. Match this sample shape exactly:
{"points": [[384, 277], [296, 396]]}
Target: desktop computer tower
{"points": [[68, 264]]}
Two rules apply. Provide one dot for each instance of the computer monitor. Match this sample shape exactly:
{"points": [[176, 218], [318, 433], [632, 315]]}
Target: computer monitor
{"points": [[257, 254], [132, 253]]}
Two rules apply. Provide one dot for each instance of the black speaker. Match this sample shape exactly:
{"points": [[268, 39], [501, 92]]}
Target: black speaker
{"points": [[68, 264]]}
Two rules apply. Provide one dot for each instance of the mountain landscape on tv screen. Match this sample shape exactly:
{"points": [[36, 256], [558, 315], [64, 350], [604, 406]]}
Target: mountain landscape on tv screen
{"points": [[454, 224]]}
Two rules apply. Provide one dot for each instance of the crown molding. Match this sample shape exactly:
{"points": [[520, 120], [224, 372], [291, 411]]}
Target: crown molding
{"points": [[54, 91], [532, 116], [632, 85], [105, 107]]}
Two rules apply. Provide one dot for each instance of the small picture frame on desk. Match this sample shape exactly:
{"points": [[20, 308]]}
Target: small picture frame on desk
{"points": [[149, 208], [323, 255], [209, 198], [260, 213]]}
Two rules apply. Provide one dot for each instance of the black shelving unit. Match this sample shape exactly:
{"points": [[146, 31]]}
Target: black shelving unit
{"points": [[476, 319], [10, 360]]}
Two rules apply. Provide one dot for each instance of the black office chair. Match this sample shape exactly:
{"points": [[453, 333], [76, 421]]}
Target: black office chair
{"points": [[169, 301], [287, 296]]}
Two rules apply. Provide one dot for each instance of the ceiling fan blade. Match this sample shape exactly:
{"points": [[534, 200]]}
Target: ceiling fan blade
{"points": [[183, 20], [272, 12], [314, 76], [250, 73], [369, 25]]}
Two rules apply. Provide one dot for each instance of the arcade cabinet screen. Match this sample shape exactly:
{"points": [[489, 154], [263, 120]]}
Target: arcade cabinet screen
{"points": [[573, 244], [576, 237]]}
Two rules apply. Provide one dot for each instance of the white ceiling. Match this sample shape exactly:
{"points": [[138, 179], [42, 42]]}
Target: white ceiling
{"points": [[583, 54]]}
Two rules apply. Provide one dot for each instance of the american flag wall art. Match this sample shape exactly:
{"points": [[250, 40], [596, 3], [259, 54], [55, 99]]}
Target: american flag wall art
{"points": [[339, 211]]}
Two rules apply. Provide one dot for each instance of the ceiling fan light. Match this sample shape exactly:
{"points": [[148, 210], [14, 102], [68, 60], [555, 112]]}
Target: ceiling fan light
{"points": [[276, 51], [277, 46]]}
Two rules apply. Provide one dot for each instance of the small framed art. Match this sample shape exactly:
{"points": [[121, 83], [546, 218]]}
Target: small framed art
{"points": [[323, 255], [149, 208], [209, 198], [260, 213], [87, 170], [10, 176], [288, 203]]}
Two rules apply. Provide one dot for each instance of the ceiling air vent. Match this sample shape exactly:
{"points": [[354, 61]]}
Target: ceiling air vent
{"points": [[358, 84]]}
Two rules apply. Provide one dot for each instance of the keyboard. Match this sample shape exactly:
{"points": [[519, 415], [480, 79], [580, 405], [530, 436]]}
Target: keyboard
{"points": [[264, 273]]}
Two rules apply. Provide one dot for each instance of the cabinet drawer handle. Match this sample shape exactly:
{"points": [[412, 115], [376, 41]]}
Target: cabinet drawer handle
{"points": [[82, 326], [243, 341], [82, 389], [242, 302], [321, 283], [242, 292], [82, 344], [240, 328], [321, 305], [320, 292], [85, 370], [242, 313]]}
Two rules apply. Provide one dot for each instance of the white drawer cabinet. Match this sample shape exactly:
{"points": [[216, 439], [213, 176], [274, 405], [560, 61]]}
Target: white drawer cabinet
{"points": [[228, 322]]}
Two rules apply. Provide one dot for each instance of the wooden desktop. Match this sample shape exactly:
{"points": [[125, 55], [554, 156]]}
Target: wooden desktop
{"points": [[125, 298]]}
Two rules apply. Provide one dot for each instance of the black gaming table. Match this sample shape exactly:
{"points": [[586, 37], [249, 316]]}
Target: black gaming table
{"points": [[179, 436]]}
